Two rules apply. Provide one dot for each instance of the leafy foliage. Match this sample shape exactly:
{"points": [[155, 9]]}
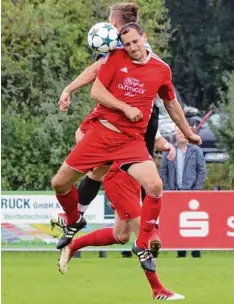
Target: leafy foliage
{"points": [[43, 48], [218, 175], [225, 133], [202, 48], [155, 21]]}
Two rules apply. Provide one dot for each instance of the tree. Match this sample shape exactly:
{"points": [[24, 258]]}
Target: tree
{"points": [[43, 48], [155, 21], [225, 132], [202, 48]]}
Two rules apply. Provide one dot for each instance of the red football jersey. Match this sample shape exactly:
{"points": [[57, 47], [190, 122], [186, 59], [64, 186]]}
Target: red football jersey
{"points": [[135, 83]]}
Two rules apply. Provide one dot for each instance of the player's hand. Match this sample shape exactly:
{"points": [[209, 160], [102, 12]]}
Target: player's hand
{"points": [[194, 139], [133, 113], [64, 101], [171, 152]]}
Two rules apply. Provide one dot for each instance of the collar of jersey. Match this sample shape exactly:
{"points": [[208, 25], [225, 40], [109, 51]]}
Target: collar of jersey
{"points": [[146, 60]]}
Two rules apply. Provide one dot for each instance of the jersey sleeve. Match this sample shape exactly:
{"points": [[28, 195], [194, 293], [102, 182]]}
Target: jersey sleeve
{"points": [[167, 91], [107, 70]]}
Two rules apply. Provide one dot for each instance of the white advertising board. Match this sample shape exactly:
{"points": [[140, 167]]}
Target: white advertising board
{"points": [[36, 209]]}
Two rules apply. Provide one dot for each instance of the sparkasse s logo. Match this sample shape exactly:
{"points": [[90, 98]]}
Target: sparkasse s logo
{"points": [[194, 223]]}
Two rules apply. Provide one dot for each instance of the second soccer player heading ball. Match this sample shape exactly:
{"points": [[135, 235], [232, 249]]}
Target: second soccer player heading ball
{"points": [[103, 37]]}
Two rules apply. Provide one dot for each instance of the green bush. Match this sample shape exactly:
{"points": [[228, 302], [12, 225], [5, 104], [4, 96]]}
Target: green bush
{"points": [[218, 175], [43, 48], [225, 133]]}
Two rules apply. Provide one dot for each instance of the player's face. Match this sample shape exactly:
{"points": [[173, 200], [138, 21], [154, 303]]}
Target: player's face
{"points": [[134, 44]]}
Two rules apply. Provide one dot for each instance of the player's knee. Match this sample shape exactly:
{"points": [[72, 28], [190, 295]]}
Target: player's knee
{"points": [[58, 185], [155, 187], [123, 238]]}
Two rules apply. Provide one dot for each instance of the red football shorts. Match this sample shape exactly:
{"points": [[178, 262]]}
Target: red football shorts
{"points": [[101, 146], [124, 193], [85, 125]]}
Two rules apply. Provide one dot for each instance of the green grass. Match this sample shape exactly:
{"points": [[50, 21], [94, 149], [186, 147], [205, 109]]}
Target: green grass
{"points": [[32, 278]]}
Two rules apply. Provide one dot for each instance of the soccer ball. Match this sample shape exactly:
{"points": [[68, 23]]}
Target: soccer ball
{"points": [[103, 37]]}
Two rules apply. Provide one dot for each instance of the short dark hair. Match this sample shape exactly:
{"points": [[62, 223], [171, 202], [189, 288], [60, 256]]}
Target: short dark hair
{"points": [[126, 12], [132, 25]]}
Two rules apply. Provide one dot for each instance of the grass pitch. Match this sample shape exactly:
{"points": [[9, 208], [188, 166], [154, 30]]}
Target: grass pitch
{"points": [[32, 278]]}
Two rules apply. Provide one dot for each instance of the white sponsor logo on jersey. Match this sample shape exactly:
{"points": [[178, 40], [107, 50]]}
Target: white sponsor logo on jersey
{"points": [[132, 85]]}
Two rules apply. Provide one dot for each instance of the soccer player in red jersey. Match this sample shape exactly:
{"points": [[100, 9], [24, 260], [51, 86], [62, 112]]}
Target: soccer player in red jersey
{"points": [[120, 14], [135, 77]]}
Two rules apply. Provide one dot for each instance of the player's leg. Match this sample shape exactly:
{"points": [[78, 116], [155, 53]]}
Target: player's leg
{"points": [[101, 237], [119, 234], [157, 288], [146, 174], [149, 137], [126, 209], [78, 160], [155, 242], [91, 183], [67, 195], [63, 184], [124, 193], [88, 190], [90, 186]]}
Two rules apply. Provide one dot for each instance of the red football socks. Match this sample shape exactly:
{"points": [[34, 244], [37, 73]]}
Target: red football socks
{"points": [[149, 214], [69, 203], [153, 280], [100, 237]]}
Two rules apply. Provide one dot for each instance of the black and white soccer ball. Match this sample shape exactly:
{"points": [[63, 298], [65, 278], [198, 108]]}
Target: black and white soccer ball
{"points": [[103, 37]]}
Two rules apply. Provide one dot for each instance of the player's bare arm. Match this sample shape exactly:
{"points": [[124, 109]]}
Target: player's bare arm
{"points": [[176, 113], [101, 95], [86, 77]]}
